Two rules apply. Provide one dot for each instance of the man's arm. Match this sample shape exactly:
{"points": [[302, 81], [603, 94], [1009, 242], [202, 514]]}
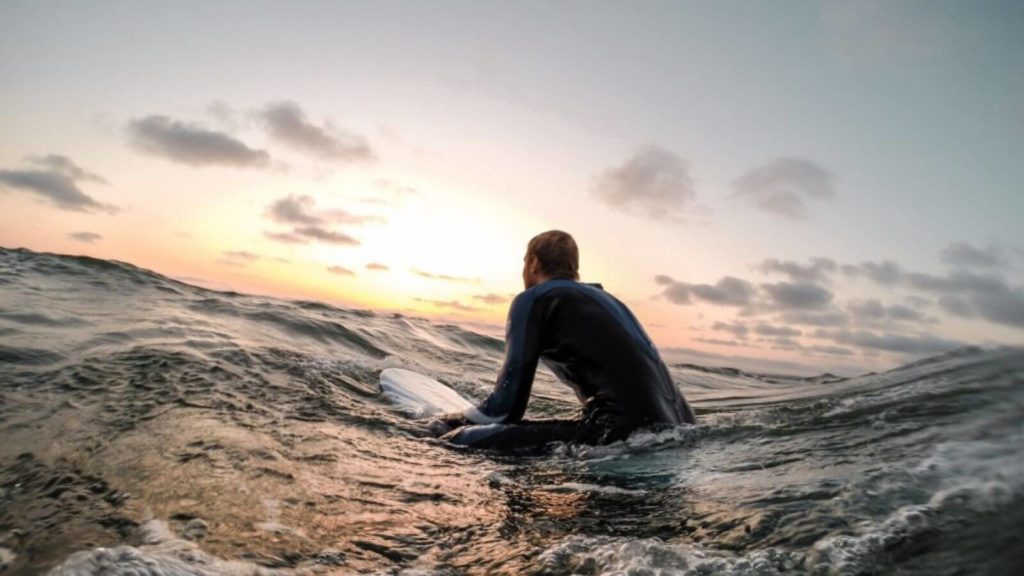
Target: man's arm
{"points": [[507, 402]]}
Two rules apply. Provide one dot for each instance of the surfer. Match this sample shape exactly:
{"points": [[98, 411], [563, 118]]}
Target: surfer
{"points": [[591, 342]]}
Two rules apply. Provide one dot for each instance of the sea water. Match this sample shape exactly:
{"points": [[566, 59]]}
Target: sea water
{"points": [[152, 427]]}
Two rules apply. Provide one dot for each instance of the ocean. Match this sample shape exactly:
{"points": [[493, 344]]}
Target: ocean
{"points": [[153, 427]]}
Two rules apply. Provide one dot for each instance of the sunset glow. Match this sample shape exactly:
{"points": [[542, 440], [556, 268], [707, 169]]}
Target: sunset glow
{"points": [[800, 186]]}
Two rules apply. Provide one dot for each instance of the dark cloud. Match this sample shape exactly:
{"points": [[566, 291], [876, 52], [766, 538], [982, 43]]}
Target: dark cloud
{"points": [[817, 270], [783, 186], [654, 181], [193, 145], [887, 273], [783, 343], [778, 331], [57, 183], [493, 299], [453, 304], [86, 237], [340, 270], [445, 277], [736, 329], [808, 318], [325, 235], [963, 255], [376, 266], [872, 310], [64, 165], [797, 296], [920, 344], [962, 293], [728, 291], [287, 123]]}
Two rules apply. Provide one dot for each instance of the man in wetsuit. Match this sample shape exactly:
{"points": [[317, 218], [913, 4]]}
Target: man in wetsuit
{"points": [[591, 342]]}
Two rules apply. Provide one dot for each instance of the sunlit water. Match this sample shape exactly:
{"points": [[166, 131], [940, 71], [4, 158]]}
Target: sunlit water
{"points": [[151, 427]]}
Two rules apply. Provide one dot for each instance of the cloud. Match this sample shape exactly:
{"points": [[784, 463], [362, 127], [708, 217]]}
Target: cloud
{"points": [[873, 310], [719, 342], [86, 237], [817, 270], [809, 318], [920, 344], [340, 270], [493, 299], [728, 291], [778, 331], [325, 235], [453, 304], [446, 277], [887, 273], [736, 329], [310, 223], [287, 123], [193, 145], [831, 350], [242, 256], [653, 181], [377, 267], [962, 293], [302, 210], [784, 186], [57, 183], [286, 237], [963, 255], [64, 165], [797, 296]]}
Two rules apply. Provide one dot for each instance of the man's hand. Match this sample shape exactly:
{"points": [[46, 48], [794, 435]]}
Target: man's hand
{"points": [[444, 423]]}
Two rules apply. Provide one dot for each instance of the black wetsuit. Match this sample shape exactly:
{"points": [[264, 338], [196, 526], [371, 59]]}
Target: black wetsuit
{"points": [[591, 342]]}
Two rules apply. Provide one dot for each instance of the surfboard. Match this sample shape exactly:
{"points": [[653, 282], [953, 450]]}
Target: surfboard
{"points": [[421, 396]]}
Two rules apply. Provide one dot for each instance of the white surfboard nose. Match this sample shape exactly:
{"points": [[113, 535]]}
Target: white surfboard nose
{"points": [[420, 395]]}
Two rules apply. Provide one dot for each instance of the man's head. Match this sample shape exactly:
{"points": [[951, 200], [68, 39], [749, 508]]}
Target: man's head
{"points": [[552, 254]]}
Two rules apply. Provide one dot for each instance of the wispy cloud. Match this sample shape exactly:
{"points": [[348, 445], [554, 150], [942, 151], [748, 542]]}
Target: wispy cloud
{"points": [[85, 237], [324, 235], [194, 145], [452, 304], [242, 256], [294, 209], [64, 165], [654, 181], [493, 299], [900, 343], [376, 266], [287, 123], [776, 331], [56, 181], [444, 277], [340, 270], [784, 186], [736, 329]]}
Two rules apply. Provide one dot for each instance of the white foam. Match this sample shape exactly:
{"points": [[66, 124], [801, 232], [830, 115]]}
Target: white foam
{"points": [[160, 554]]}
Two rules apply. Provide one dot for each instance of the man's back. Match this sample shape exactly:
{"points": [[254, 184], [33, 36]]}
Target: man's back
{"points": [[593, 343]]}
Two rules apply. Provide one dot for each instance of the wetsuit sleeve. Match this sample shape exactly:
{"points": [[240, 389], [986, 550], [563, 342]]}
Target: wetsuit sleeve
{"points": [[507, 402]]}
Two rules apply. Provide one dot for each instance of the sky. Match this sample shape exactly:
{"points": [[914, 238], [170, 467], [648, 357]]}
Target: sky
{"points": [[778, 186]]}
